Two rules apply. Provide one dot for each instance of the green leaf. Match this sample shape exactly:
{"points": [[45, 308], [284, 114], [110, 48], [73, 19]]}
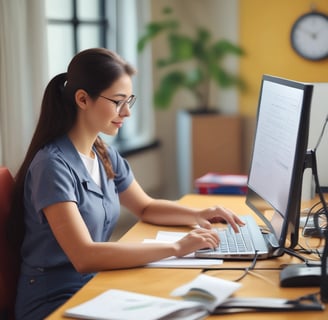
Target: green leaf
{"points": [[181, 47], [153, 29], [169, 84], [225, 47], [203, 55]]}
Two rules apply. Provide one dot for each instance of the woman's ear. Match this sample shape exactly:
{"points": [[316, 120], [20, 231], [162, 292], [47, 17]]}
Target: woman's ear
{"points": [[81, 98]]}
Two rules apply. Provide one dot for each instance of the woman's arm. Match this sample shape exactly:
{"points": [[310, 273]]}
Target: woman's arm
{"points": [[88, 256], [165, 212]]}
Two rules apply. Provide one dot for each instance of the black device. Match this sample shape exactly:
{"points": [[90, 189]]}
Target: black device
{"points": [[278, 158], [300, 275]]}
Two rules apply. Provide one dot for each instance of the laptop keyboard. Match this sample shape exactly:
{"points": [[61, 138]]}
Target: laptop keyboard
{"points": [[234, 242]]}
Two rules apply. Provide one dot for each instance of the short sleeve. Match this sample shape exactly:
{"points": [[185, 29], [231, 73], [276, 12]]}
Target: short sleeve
{"points": [[123, 173], [52, 182]]}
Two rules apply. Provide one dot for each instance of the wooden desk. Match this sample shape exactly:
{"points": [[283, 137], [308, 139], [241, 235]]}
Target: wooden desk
{"points": [[160, 282]]}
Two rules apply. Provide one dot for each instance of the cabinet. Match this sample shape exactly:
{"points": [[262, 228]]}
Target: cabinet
{"points": [[207, 142]]}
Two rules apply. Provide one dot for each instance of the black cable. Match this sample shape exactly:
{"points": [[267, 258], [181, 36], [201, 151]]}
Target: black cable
{"points": [[320, 215], [239, 269], [321, 134], [303, 250], [310, 213], [315, 229], [295, 254]]}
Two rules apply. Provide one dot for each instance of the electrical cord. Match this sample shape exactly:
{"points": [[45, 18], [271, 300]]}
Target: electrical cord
{"points": [[262, 277], [311, 249], [248, 269], [305, 260], [295, 254], [319, 221], [321, 134]]}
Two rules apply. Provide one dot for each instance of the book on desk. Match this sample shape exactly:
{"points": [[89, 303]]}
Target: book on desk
{"points": [[200, 297]]}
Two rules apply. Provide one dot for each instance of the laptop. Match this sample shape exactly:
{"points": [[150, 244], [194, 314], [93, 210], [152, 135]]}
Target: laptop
{"points": [[274, 184], [250, 241]]}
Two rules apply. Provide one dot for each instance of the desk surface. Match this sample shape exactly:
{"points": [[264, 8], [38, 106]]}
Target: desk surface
{"points": [[263, 282]]}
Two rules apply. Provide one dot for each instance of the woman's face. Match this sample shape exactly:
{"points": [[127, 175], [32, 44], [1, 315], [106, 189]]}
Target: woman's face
{"points": [[102, 115]]}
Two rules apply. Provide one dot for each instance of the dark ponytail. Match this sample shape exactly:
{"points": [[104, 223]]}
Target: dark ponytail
{"points": [[92, 70], [49, 127], [56, 116]]}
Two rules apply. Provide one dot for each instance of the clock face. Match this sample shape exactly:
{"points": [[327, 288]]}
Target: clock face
{"points": [[309, 36]]}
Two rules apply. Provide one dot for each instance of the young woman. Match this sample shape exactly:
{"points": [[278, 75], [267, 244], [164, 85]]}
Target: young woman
{"points": [[70, 187]]}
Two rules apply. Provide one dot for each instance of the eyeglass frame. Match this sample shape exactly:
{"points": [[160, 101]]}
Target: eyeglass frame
{"points": [[121, 103]]}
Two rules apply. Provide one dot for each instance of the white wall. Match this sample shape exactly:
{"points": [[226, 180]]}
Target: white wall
{"points": [[319, 113]]}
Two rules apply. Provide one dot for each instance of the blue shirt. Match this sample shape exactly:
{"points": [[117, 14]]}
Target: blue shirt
{"points": [[57, 174]]}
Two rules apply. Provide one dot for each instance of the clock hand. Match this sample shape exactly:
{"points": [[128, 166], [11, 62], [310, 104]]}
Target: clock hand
{"points": [[312, 34]]}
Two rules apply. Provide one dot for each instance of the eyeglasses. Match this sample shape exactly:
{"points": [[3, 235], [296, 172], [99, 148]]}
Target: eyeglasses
{"points": [[121, 103]]}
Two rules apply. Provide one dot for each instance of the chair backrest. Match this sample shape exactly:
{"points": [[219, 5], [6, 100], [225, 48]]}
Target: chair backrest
{"points": [[8, 262]]}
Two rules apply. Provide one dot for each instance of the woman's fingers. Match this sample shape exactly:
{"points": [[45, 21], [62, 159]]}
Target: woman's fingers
{"points": [[197, 239], [222, 214], [210, 237]]}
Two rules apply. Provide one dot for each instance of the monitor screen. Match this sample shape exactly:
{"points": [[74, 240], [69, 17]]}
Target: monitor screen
{"points": [[279, 151]]}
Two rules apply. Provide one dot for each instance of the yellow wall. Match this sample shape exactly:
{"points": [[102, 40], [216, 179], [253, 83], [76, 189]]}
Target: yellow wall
{"points": [[265, 35]]}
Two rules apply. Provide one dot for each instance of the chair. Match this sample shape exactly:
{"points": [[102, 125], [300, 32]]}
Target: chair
{"points": [[8, 263]]}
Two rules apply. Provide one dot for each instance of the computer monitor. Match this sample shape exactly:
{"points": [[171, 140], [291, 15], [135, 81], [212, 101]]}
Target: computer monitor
{"points": [[279, 153]]}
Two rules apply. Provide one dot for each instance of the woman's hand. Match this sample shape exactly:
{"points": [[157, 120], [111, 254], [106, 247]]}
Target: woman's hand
{"points": [[218, 214], [195, 240]]}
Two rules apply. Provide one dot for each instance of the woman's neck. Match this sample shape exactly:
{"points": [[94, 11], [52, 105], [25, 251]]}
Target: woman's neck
{"points": [[82, 142]]}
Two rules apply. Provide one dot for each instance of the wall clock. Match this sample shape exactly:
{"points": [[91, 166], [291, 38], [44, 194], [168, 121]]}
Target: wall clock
{"points": [[309, 36]]}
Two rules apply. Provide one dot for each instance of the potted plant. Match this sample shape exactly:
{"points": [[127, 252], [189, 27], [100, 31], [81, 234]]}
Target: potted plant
{"points": [[206, 139], [204, 55]]}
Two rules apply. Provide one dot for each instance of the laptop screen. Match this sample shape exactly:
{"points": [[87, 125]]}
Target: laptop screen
{"points": [[279, 151]]}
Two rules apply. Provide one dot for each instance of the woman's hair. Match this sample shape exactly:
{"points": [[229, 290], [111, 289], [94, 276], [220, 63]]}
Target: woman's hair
{"points": [[92, 70]]}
